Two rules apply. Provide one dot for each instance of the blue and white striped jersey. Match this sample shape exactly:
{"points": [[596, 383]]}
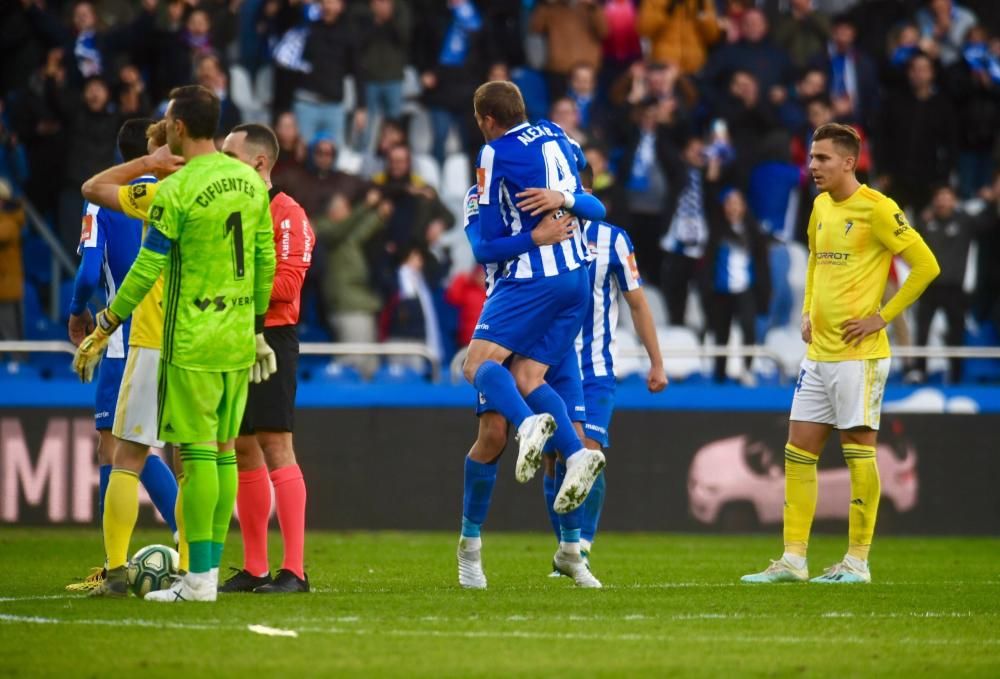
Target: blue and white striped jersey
{"points": [[109, 244], [613, 269], [528, 156], [472, 229]]}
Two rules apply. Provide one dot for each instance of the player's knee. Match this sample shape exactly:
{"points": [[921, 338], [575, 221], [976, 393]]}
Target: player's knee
{"points": [[470, 367], [131, 456], [278, 452]]}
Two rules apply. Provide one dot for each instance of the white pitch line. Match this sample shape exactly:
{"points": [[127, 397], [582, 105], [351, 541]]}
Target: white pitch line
{"points": [[40, 598], [502, 634]]}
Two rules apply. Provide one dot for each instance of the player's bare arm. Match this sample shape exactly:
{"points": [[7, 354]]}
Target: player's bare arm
{"points": [[807, 329], [642, 319], [102, 188]]}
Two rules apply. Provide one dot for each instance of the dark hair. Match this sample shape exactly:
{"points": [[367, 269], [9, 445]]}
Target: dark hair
{"points": [[844, 137], [262, 137], [132, 138], [587, 177], [198, 108], [502, 100], [943, 186], [823, 99]]}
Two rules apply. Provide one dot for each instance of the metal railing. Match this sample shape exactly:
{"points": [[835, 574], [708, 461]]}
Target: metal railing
{"points": [[60, 260], [423, 352], [408, 349], [763, 352]]}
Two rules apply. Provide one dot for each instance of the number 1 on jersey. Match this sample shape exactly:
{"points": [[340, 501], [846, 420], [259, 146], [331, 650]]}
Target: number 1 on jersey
{"points": [[234, 225]]}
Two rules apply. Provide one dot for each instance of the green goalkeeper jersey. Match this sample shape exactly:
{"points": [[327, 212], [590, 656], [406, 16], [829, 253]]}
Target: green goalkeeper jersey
{"points": [[210, 227]]}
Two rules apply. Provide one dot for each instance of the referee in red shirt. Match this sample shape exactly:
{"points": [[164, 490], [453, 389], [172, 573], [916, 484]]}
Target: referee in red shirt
{"points": [[265, 441]]}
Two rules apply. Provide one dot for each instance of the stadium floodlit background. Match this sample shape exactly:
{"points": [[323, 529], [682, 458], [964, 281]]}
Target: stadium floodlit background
{"points": [[377, 140]]}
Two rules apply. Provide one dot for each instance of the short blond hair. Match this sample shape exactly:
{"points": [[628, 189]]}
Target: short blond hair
{"points": [[158, 133], [502, 100], [845, 137]]}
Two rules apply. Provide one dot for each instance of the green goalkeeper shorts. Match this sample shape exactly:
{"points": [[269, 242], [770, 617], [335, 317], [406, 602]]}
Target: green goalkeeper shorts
{"points": [[197, 406]]}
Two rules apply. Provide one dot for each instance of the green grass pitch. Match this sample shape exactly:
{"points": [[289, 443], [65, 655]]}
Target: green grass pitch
{"points": [[387, 604]]}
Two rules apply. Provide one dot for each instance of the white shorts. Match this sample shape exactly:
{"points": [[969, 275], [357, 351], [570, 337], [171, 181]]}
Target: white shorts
{"points": [[136, 415], [845, 394]]}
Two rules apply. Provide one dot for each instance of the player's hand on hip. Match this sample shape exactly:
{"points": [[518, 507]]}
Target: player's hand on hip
{"points": [[266, 364], [91, 349], [656, 380], [80, 325], [554, 228], [856, 329], [807, 330], [540, 201]]}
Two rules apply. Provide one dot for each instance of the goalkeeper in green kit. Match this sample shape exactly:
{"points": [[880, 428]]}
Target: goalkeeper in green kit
{"points": [[210, 229]]}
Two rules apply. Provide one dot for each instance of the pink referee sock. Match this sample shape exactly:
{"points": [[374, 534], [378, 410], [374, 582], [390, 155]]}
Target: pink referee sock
{"points": [[290, 495], [253, 501]]}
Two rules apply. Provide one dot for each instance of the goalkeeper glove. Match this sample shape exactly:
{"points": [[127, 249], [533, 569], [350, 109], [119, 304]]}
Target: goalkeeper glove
{"points": [[266, 363], [91, 349]]}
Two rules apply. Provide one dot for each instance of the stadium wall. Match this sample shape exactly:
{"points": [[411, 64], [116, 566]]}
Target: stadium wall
{"points": [[376, 467]]}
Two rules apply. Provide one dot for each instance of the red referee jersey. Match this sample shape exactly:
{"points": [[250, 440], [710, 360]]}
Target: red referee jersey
{"points": [[293, 245]]}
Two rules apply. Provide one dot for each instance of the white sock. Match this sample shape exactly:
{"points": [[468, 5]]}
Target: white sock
{"points": [[201, 579], [470, 544], [585, 545], [569, 547], [794, 559], [856, 563]]}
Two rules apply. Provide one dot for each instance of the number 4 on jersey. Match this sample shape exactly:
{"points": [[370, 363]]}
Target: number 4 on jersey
{"points": [[557, 168]]}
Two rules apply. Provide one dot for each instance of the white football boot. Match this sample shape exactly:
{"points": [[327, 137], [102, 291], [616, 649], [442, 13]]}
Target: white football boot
{"points": [[532, 436], [187, 587], [582, 469], [470, 567], [779, 571], [573, 565]]}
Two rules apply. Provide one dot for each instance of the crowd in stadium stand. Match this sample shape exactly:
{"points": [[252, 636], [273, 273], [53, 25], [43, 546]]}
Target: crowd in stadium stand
{"points": [[696, 116]]}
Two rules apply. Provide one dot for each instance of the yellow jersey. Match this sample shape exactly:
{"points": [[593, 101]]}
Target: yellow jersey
{"points": [[851, 245], [147, 319]]}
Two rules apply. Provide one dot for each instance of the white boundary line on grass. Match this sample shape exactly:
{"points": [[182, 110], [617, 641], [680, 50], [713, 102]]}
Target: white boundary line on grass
{"points": [[489, 634]]}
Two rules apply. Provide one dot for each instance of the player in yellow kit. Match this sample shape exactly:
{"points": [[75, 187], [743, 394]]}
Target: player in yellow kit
{"points": [[131, 188], [854, 231]]}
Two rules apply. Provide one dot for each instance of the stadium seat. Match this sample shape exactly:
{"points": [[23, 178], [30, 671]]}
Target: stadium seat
{"points": [[678, 337], [264, 86], [625, 366], [455, 178], [332, 371], [786, 343], [798, 255], [657, 306], [349, 161], [425, 166], [397, 373], [419, 133], [241, 91], [18, 370]]}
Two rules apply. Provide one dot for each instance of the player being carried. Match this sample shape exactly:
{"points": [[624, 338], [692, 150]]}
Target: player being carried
{"points": [[563, 378], [109, 245], [210, 229], [265, 440], [854, 231], [537, 305]]}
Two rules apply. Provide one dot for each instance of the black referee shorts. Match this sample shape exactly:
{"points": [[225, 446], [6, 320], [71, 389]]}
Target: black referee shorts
{"points": [[271, 404]]}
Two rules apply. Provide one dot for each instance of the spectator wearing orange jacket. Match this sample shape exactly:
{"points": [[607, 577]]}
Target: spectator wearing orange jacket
{"points": [[681, 31]]}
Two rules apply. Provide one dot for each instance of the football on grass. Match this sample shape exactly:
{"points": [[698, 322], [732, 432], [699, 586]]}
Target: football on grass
{"points": [[152, 568]]}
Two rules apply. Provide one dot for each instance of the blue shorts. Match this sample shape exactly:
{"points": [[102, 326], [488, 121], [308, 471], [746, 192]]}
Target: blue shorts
{"points": [[538, 318], [109, 379], [599, 395], [565, 380]]}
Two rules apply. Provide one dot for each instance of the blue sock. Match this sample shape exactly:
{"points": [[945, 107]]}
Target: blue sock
{"points": [[549, 488], [544, 399], [105, 476], [592, 509], [498, 384], [161, 485], [479, 481]]}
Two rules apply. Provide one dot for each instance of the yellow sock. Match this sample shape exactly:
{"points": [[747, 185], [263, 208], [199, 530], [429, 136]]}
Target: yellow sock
{"points": [[865, 491], [121, 509], [182, 546], [800, 498]]}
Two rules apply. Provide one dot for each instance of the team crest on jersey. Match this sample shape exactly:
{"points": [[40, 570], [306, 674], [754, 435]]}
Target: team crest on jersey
{"points": [[472, 207], [156, 213], [847, 227], [138, 191], [819, 226]]}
